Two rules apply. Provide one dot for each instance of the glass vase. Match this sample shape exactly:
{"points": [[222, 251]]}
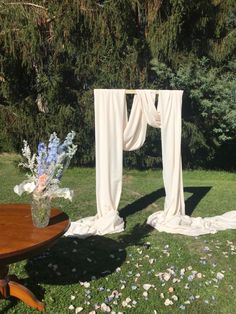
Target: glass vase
{"points": [[40, 210]]}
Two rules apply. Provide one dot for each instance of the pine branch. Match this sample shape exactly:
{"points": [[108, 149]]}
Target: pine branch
{"points": [[9, 30], [28, 4]]}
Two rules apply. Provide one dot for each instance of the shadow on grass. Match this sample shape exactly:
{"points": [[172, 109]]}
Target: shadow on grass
{"points": [[72, 260], [11, 303], [141, 203], [198, 193]]}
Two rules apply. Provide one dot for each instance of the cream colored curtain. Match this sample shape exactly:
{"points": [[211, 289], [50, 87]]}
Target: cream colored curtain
{"points": [[115, 133]]}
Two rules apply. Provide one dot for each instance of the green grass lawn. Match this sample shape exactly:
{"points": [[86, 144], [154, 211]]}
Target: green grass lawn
{"points": [[194, 274]]}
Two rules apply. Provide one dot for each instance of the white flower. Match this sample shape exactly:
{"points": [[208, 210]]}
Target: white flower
{"points": [[147, 286], [168, 302], [46, 168], [219, 276], [105, 308], [166, 276], [86, 284], [174, 297], [78, 309], [65, 193], [176, 280], [145, 294], [25, 186]]}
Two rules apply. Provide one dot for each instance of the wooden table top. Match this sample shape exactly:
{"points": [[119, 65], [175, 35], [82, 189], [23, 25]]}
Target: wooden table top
{"points": [[19, 239]]}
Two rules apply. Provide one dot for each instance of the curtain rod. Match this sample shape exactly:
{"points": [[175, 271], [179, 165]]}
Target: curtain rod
{"points": [[133, 91]]}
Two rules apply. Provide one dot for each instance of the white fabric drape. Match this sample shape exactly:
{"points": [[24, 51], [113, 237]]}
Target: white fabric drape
{"points": [[110, 115], [170, 106], [115, 133], [173, 218]]}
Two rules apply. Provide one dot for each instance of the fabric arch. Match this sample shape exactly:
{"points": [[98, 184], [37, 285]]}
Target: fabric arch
{"points": [[114, 132]]}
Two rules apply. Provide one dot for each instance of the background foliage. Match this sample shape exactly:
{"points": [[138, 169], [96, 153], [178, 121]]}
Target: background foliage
{"points": [[54, 53]]}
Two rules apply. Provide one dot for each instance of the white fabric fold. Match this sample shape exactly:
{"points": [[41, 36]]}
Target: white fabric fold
{"points": [[192, 226], [95, 225], [115, 133], [170, 107], [143, 112]]}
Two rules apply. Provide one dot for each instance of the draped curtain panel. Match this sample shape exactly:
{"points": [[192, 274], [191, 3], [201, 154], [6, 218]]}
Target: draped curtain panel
{"points": [[114, 132]]}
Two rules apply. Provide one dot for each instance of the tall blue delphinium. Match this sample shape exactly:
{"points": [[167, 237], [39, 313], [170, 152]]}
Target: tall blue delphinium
{"points": [[41, 158], [66, 151], [53, 145], [67, 142]]}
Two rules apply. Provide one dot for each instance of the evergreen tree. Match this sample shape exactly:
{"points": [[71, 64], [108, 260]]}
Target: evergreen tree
{"points": [[54, 53]]}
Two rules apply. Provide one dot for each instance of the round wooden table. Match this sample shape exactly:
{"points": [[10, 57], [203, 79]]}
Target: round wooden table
{"points": [[19, 240]]}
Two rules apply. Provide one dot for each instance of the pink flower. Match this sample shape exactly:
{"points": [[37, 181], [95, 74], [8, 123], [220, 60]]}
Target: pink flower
{"points": [[42, 183]]}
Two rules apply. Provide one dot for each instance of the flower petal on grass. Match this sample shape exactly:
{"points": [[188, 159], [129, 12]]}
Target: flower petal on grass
{"points": [[219, 276], [147, 286], [168, 302]]}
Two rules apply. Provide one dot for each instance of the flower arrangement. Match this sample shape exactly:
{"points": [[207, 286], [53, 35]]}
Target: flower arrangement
{"points": [[47, 167]]}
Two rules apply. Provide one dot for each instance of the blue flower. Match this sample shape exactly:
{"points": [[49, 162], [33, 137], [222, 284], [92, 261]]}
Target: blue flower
{"points": [[52, 149], [190, 277], [41, 148], [68, 142], [52, 160], [41, 158]]}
